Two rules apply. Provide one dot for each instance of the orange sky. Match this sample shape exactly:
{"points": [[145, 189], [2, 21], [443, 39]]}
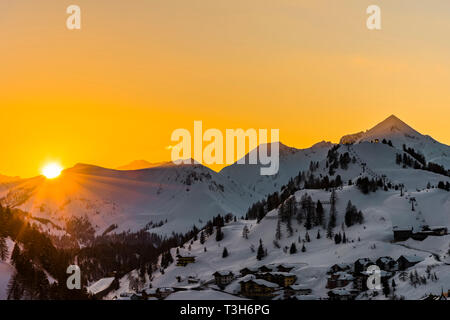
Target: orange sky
{"points": [[115, 90]]}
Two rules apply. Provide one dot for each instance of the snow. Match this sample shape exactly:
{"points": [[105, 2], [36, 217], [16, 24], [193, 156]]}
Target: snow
{"points": [[100, 285], [381, 210]]}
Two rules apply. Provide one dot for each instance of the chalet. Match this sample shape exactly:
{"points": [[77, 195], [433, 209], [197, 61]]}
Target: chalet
{"points": [[296, 290], [439, 231], [136, 296], [258, 288], [442, 297], [340, 267], [339, 280], [362, 264], [386, 263], [283, 279], [360, 280], [402, 234], [102, 287], [183, 261], [404, 262], [193, 279], [284, 267], [248, 270], [223, 278], [342, 294]]}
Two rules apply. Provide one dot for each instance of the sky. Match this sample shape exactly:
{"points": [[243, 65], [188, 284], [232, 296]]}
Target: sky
{"points": [[115, 90]]}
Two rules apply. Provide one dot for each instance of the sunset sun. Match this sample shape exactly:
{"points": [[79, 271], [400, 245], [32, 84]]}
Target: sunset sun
{"points": [[51, 170]]}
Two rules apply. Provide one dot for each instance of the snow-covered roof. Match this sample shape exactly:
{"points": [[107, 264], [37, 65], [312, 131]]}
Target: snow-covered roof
{"points": [[364, 261], [262, 282], [254, 269], [385, 259], [100, 285], [438, 227], [412, 258], [247, 278], [345, 276], [397, 228], [224, 273], [279, 273]]}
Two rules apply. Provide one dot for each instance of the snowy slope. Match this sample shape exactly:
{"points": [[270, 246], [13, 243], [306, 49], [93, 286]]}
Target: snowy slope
{"points": [[381, 211]]}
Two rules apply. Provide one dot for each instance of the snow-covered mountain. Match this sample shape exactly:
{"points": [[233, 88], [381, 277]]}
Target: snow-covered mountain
{"points": [[292, 161], [191, 194], [400, 133], [183, 195], [382, 211], [389, 207]]}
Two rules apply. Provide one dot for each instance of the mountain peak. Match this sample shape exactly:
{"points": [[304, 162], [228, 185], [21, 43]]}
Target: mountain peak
{"points": [[390, 128]]}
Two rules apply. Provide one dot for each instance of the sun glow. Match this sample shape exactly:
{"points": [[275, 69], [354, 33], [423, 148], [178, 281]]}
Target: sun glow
{"points": [[51, 170]]}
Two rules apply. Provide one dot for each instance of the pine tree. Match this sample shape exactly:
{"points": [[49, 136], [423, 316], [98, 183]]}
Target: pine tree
{"points": [[344, 238], [278, 231], [307, 238], [293, 248], [225, 253], [202, 237], [318, 234], [219, 234], [3, 249], [260, 253], [303, 248], [320, 214], [332, 220]]}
